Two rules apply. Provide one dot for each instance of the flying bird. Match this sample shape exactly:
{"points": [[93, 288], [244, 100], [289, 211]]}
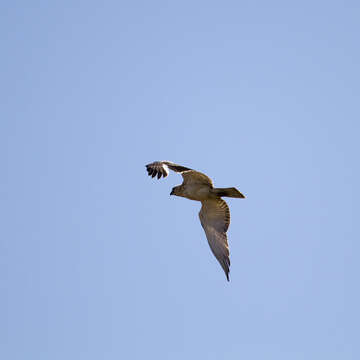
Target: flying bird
{"points": [[214, 214]]}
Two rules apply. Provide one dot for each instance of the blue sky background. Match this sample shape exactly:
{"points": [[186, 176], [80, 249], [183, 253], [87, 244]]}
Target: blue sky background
{"points": [[98, 261]]}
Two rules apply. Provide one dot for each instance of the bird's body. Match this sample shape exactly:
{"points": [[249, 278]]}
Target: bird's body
{"points": [[214, 214], [197, 192]]}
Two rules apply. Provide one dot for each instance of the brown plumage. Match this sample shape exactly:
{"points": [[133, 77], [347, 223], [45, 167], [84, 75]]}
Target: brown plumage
{"points": [[214, 214]]}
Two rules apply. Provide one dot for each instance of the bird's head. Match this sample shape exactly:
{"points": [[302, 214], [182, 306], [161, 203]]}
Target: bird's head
{"points": [[176, 191]]}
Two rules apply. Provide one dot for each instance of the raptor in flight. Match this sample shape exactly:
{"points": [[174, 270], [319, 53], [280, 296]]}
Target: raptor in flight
{"points": [[214, 214]]}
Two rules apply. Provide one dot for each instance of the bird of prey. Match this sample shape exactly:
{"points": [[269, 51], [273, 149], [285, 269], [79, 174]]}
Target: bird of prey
{"points": [[214, 214]]}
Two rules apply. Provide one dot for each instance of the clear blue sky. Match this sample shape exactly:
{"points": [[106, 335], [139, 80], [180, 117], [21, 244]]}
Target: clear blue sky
{"points": [[97, 260]]}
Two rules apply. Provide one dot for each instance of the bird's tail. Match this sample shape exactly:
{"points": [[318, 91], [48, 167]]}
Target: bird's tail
{"points": [[229, 192]]}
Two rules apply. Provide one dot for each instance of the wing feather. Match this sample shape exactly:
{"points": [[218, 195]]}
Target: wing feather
{"points": [[215, 220], [161, 168], [196, 177]]}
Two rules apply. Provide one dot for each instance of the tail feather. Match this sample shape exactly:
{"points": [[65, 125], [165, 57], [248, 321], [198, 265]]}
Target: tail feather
{"points": [[229, 192]]}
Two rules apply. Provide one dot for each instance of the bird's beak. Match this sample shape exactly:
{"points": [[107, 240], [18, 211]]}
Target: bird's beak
{"points": [[172, 192]]}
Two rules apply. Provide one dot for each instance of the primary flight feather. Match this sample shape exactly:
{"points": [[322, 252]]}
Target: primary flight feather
{"points": [[214, 214]]}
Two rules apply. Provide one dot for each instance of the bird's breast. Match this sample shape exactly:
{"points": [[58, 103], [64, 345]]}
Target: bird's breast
{"points": [[197, 192]]}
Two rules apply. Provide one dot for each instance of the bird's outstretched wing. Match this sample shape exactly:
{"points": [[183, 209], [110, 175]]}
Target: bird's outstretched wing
{"points": [[161, 168], [215, 219]]}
